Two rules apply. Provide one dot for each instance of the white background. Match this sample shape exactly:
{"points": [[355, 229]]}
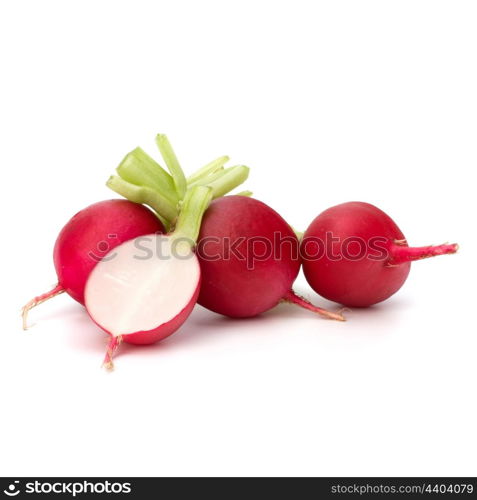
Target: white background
{"points": [[327, 102]]}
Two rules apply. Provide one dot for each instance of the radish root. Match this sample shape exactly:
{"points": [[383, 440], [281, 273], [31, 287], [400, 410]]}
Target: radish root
{"points": [[401, 254], [39, 300], [292, 298], [113, 344]]}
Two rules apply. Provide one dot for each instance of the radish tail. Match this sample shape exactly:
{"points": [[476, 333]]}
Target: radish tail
{"points": [[292, 298], [38, 300], [400, 253], [113, 344]]}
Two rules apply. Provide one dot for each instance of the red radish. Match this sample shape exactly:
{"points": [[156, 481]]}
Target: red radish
{"points": [[356, 255], [249, 259], [144, 289], [87, 237]]}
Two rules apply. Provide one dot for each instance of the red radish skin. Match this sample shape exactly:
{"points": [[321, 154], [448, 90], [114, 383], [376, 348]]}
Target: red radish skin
{"points": [[370, 276], [88, 237], [229, 286]]}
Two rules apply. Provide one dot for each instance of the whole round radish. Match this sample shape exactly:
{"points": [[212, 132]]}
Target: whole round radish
{"points": [[356, 255], [87, 237], [145, 288], [249, 259]]}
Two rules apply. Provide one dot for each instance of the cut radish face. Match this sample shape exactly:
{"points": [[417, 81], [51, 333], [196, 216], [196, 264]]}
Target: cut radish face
{"points": [[142, 286]]}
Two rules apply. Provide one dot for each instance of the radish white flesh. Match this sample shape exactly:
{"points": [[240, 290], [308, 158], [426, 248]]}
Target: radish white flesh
{"points": [[141, 287]]}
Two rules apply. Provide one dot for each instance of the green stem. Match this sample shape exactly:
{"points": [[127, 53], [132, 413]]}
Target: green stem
{"points": [[230, 179], [142, 180], [139, 168], [196, 202], [206, 180], [208, 169], [224, 180], [145, 195], [172, 163], [249, 194]]}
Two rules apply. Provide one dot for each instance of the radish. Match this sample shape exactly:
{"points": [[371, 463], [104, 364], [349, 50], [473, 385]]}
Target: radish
{"points": [[146, 288], [249, 259], [89, 236], [356, 255]]}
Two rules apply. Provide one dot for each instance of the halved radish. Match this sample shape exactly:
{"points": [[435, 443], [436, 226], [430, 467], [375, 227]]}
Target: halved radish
{"points": [[140, 297], [143, 290]]}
